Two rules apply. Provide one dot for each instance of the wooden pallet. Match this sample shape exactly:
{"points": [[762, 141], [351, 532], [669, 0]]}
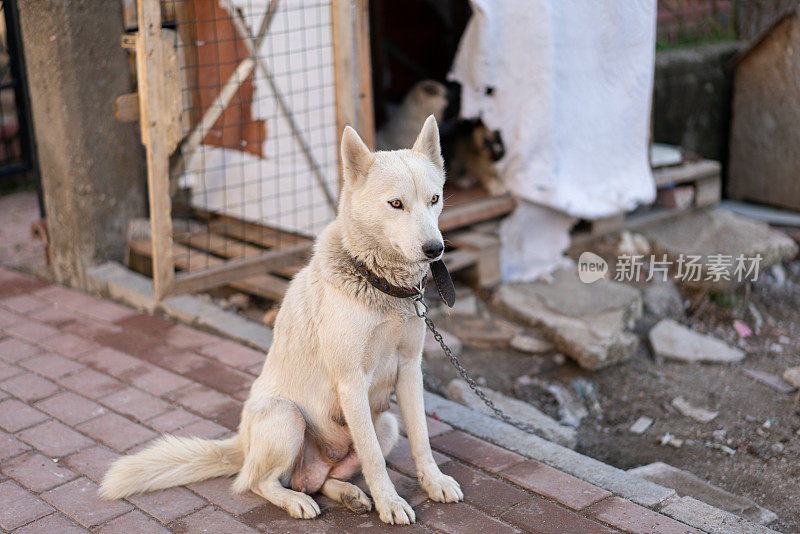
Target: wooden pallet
{"points": [[209, 240], [704, 176]]}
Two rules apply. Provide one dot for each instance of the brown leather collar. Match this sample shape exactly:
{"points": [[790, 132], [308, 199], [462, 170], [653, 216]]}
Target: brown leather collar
{"points": [[381, 284]]}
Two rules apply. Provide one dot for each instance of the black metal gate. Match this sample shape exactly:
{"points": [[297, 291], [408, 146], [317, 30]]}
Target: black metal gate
{"points": [[17, 149]]}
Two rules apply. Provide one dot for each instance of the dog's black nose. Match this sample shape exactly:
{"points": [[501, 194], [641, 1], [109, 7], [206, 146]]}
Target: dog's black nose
{"points": [[432, 249]]}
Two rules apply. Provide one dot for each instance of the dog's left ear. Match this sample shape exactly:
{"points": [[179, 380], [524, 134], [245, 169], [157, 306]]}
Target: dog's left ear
{"points": [[428, 142]]}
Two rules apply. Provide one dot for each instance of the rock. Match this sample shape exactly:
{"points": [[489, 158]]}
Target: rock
{"points": [[696, 413], [529, 344], [641, 425], [588, 322], [485, 333], [719, 232], [773, 381], [466, 303], [432, 349], [674, 341], [545, 427], [792, 376], [663, 300], [685, 483]]}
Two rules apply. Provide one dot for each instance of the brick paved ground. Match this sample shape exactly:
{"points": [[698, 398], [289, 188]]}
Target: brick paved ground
{"points": [[84, 380]]}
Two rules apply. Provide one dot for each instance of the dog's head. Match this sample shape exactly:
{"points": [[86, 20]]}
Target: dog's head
{"points": [[393, 199], [429, 97]]}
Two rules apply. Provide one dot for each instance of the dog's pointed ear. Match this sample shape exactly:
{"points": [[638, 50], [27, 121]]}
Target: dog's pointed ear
{"points": [[428, 142], [356, 157]]}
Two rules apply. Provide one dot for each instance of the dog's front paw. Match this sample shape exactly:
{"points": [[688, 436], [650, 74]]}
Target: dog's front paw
{"points": [[441, 487], [394, 510]]}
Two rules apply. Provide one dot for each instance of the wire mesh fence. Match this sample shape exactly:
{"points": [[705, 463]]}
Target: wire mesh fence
{"points": [[256, 166]]}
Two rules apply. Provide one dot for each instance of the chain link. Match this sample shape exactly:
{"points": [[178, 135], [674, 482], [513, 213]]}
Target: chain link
{"points": [[463, 372]]}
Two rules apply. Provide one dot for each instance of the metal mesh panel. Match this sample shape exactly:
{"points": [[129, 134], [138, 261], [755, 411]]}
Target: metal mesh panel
{"points": [[257, 166]]}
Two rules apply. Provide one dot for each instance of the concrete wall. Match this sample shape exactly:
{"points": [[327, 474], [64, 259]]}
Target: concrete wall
{"points": [[92, 166], [692, 98]]}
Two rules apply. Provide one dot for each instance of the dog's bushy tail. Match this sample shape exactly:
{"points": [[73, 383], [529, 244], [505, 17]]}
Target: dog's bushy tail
{"points": [[172, 461]]}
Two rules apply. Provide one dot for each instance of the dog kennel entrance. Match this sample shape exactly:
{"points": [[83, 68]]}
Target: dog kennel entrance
{"points": [[241, 103]]}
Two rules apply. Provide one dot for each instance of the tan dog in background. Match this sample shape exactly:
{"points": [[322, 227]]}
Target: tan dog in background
{"points": [[426, 98], [318, 413]]}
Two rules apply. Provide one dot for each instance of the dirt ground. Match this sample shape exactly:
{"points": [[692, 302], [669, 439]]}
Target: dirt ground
{"points": [[759, 423]]}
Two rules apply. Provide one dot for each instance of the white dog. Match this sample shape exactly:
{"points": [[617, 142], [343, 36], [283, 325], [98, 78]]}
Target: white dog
{"points": [[426, 98], [344, 338]]}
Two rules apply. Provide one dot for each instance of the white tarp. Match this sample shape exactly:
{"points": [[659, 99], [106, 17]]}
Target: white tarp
{"points": [[569, 86]]}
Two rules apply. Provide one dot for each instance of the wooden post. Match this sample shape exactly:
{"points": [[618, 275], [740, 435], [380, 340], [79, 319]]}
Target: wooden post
{"points": [[352, 70], [151, 73]]}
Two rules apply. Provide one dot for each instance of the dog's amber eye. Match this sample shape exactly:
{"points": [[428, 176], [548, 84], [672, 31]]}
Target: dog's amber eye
{"points": [[396, 204], [435, 199]]}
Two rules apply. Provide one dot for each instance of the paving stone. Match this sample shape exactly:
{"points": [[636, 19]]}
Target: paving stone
{"points": [[71, 408], [179, 360], [475, 451], [54, 439], [541, 516], [10, 446], [552, 483], [188, 338], [706, 518], [218, 491], [7, 317], [68, 344], [591, 323], [135, 403], [674, 341], [169, 504], [436, 427], [13, 350], [203, 400], [18, 506], [116, 431], [203, 429], [718, 232], [8, 370], [90, 383], [400, 457], [30, 331], [687, 483], [36, 472], [23, 304], [407, 487], [220, 377], [230, 418], [78, 500], [51, 524], [544, 425], [29, 387], [110, 361], [485, 493], [134, 521], [346, 520], [16, 415], [212, 521], [51, 365], [173, 420], [132, 343], [233, 354], [55, 317], [90, 329], [629, 517], [459, 517], [146, 324], [92, 462], [154, 379]]}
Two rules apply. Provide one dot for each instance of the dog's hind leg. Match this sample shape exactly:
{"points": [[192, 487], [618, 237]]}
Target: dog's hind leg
{"points": [[348, 494], [272, 436]]}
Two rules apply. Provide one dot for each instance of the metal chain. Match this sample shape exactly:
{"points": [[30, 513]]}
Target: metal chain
{"points": [[421, 309]]}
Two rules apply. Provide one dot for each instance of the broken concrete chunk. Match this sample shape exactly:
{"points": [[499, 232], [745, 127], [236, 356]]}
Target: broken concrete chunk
{"points": [[663, 300], [641, 425], [588, 322], [685, 483], [432, 349], [674, 341], [719, 232], [530, 345], [546, 427], [773, 381], [484, 333], [792, 376], [696, 413]]}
